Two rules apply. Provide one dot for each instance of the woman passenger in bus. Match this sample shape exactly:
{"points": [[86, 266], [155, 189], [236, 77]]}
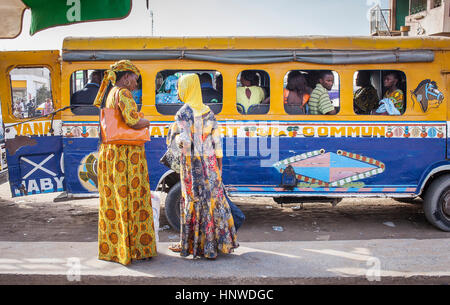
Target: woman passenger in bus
{"points": [[126, 229], [391, 82], [365, 98], [297, 92], [207, 225], [250, 93]]}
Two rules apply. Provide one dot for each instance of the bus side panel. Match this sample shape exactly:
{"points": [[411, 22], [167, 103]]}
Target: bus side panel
{"points": [[80, 162], [390, 161], [154, 150], [382, 164], [36, 168]]}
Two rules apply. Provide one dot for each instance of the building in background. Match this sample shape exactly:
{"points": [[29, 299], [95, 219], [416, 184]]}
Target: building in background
{"points": [[411, 18]]}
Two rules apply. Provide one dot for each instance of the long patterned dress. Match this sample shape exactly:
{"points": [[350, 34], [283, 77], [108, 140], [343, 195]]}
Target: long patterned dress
{"points": [[126, 228], [207, 225]]}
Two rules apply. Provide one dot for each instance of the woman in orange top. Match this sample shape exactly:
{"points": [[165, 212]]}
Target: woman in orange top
{"points": [[296, 94]]}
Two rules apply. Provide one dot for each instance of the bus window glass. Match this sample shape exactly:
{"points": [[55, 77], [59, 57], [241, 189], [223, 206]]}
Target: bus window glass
{"points": [[311, 92], [31, 92], [379, 92], [253, 92], [166, 99], [84, 85]]}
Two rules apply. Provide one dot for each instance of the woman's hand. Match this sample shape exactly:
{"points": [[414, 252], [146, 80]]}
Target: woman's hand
{"points": [[143, 123]]}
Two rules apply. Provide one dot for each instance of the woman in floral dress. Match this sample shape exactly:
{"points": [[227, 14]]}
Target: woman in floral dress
{"points": [[207, 226], [126, 228]]}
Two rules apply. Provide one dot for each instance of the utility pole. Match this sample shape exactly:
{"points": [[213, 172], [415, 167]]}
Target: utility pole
{"points": [[151, 14]]}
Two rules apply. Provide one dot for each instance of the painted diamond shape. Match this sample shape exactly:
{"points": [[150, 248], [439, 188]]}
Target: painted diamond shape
{"points": [[331, 169]]}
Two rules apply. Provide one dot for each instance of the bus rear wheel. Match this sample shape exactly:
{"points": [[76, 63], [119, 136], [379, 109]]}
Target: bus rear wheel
{"points": [[172, 206], [437, 203]]}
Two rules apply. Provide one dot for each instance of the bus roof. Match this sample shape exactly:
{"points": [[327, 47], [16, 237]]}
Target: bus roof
{"points": [[258, 43]]}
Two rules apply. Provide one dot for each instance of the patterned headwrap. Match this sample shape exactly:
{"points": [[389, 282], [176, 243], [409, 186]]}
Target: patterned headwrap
{"points": [[190, 93], [110, 76]]}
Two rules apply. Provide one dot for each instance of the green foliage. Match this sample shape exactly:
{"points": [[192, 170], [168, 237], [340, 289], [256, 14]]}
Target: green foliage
{"points": [[41, 94]]}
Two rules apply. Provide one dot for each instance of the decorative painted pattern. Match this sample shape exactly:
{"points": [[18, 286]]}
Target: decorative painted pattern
{"points": [[249, 129], [361, 190], [33, 128], [330, 169]]}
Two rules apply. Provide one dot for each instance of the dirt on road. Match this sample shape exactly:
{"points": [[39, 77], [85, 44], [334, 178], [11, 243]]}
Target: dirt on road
{"points": [[37, 218]]}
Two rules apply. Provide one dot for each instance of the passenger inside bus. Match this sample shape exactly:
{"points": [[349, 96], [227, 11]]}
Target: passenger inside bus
{"points": [[167, 93], [365, 99], [296, 94], [209, 94], [391, 83], [219, 84], [320, 102], [393, 101], [86, 96], [249, 93], [137, 94], [166, 99]]}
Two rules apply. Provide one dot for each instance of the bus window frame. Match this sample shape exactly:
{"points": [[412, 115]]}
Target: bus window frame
{"points": [[260, 80], [53, 91], [193, 70], [404, 74]]}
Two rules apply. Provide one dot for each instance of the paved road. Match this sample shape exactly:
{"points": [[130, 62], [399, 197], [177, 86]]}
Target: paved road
{"points": [[371, 241], [318, 262]]}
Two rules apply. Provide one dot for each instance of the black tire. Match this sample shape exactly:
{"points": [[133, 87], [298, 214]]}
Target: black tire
{"points": [[172, 206], [437, 201]]}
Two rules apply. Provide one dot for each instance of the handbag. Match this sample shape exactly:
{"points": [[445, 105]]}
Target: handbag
{"points": [[171, 160], [172, 157], [114, 130]]}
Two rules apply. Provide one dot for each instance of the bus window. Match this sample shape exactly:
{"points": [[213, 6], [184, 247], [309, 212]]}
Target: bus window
{"points": [[166, 99], [84, 85], [311, 92], [253, 92], [379, 92], [31, 92], [296, 92]]}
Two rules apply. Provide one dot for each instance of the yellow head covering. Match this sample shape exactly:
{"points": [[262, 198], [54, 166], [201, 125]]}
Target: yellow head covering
{"points": [[110, 76], [190, 93]]}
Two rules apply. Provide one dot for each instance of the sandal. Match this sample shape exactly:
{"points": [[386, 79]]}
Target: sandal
{"points": [[175, 247]]}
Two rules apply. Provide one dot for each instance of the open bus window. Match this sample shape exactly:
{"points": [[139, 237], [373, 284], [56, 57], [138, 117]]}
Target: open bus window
{"points": [[379, 92], [253, 92], [311, 92], [84, 85], [166, 99], [31, 92]]}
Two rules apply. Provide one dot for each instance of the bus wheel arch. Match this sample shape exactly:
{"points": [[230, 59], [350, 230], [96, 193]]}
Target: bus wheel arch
{"points": [[432, 176], [167, 181], [437, 202]]}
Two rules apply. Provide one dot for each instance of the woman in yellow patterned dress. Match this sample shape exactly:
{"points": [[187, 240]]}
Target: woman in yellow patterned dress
{"points": [[126, 228]]}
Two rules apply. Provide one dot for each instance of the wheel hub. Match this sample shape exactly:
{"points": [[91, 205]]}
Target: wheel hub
{"points": [[446, 204]]}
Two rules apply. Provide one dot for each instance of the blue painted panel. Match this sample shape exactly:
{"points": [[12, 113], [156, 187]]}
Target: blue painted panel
{"points": [[35, 169], [405, 159], [76, 155]]}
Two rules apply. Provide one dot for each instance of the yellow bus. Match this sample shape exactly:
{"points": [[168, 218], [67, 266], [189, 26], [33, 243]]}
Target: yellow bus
{"points": [[272, 147]]}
